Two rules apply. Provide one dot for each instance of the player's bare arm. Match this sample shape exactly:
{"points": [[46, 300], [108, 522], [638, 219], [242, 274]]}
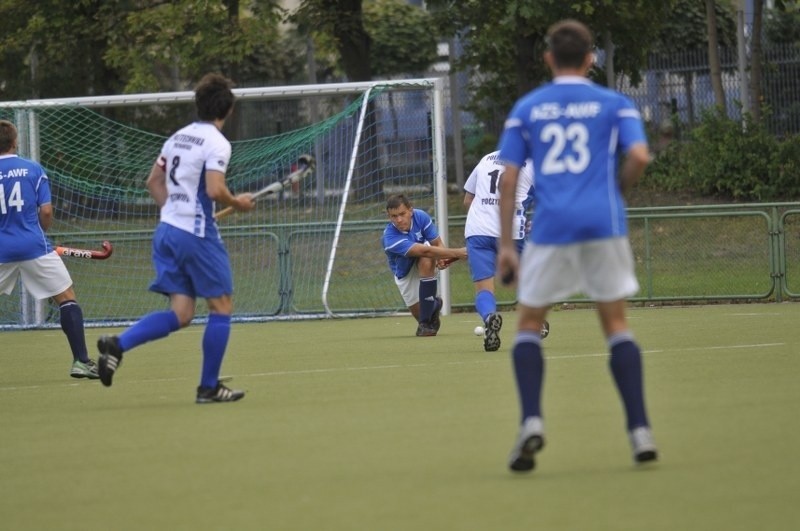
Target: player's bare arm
{"points": [[442, 263], [438, 252], [468, 198], [157, 182], [636, 160], [46, 216], [218, 191]]}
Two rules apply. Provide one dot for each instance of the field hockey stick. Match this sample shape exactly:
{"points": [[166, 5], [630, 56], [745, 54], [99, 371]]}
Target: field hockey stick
{"points": [[91, 254], [305, 165]]}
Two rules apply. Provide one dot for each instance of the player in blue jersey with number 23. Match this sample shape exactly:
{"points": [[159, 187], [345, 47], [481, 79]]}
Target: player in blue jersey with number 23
{"points": [[587, 144]]}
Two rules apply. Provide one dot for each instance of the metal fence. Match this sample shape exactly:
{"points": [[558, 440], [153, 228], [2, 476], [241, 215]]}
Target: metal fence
{"points": [[674, 92], [700, 253], [676, 88]]}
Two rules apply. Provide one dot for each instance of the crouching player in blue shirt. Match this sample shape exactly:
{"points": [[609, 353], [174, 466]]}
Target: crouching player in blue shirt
{"points": [[414, 251]]}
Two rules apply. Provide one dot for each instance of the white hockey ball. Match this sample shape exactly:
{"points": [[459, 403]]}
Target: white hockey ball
{"points": [[478, 331]]}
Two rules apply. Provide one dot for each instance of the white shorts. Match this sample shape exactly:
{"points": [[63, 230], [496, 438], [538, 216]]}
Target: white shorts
{"points": [[409, 286], [43, 277], [601, 269]]}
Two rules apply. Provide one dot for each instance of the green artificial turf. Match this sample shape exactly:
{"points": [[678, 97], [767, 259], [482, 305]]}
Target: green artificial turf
{"points": [[359, 425]]}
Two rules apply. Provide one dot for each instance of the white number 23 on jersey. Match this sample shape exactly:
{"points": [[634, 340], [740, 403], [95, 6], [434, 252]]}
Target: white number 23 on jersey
{"points": [[557, 159]]}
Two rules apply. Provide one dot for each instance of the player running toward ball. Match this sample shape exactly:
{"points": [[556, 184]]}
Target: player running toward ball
{"points": [[189, 257], [414, 251], [482, 233], [575, 132], [26, 212]]}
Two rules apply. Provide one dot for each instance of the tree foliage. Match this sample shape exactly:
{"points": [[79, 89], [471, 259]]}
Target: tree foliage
{"points": [[504, 41], [365, 40], [341, 23], [684, 27], [52, 48], [173, 39], [403, 37], [721, 158]]}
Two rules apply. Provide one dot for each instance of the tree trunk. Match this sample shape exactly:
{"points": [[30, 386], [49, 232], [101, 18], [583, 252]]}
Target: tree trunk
{"points": [[608, 46], [526, 59], [352, 41], [756, 61], [713, 55]]}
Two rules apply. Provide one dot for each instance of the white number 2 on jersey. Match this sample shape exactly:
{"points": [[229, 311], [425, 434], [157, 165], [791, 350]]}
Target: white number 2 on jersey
{"points": [[14, 198], [556, 161]]}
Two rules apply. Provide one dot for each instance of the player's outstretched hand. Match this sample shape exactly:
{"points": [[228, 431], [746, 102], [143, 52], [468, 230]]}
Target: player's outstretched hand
{"points": [[444, 263]]}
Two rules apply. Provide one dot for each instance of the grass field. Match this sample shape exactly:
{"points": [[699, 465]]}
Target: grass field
{"points": [[358, 425]]}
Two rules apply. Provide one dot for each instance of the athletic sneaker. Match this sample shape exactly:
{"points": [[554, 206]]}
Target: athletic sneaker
{"points": [[545, 329], [529, 441], [220, 393], [436, 322], [642, 444], [491, 332], [84, 369], [110, 358], [426, 330]]}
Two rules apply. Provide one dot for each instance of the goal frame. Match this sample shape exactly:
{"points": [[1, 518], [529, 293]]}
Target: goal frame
{"points": [[33, 312]]}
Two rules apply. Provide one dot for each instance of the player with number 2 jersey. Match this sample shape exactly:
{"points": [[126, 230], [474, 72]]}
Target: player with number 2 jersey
{"points": [[189, 258], [186, 157]]}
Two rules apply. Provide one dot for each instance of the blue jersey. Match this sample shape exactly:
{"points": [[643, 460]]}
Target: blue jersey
{"points": [[23, 189], [397, 243], [575, 132]]}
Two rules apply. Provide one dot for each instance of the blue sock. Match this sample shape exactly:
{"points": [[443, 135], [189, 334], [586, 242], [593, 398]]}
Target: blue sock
{"points": [[150, 327], [215, 339], [529, 371], [485, 303], [626, 367], [72, 325], [427, 298]]}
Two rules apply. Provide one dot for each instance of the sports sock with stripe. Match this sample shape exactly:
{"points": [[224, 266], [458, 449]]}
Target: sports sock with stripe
{"points": [[427, 298]]}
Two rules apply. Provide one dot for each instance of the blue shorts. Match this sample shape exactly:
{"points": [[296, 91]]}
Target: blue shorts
{"points": [[189, 265], [482, 256]]}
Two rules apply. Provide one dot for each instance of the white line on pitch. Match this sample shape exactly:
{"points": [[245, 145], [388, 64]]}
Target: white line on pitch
{"points": [[401, 366]]}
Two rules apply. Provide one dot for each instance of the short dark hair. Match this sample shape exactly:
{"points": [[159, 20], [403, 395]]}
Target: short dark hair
{"points": [[213, 97], [570, 41], [8, 136], [397, 200]]}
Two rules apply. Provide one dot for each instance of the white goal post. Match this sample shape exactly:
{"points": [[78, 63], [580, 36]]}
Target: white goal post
{"points": [[312, 250]]}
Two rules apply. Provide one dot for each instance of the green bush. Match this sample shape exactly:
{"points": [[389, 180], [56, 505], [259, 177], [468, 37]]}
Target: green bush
{"points": [[730, 159]]}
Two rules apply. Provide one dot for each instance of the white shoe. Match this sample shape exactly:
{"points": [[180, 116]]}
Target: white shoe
{"points": [[529, 441], [642, 444]]}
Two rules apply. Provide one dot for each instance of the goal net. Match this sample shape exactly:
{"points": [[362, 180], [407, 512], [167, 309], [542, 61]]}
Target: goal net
{"points": [[312, 250]]}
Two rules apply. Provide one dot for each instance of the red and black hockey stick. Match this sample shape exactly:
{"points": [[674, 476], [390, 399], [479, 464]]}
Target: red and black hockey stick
{"points": [[90, 254]]}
